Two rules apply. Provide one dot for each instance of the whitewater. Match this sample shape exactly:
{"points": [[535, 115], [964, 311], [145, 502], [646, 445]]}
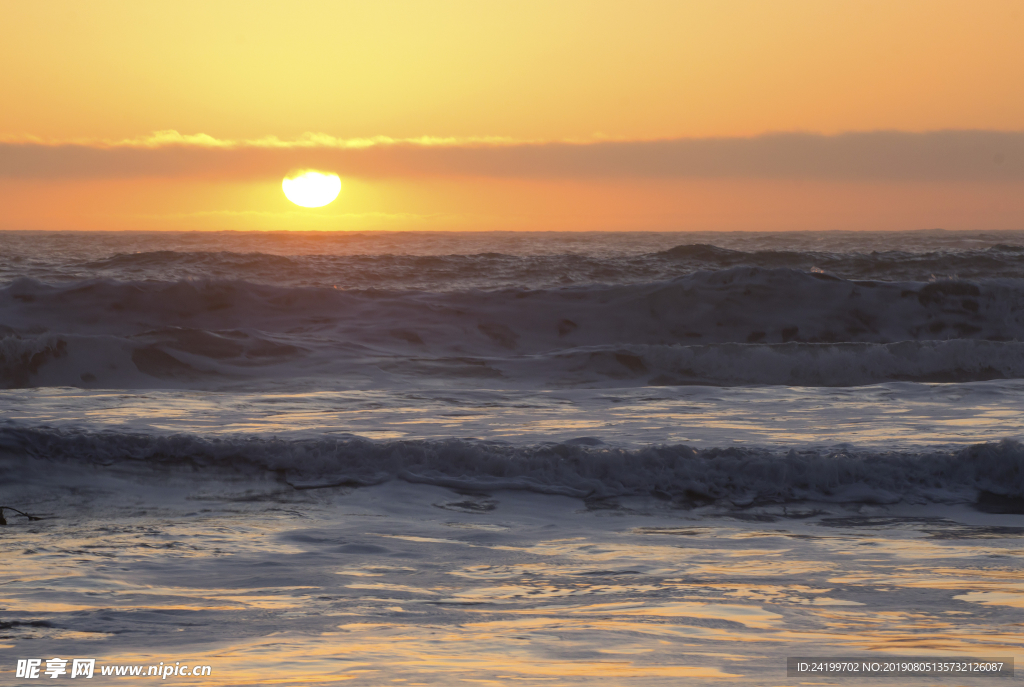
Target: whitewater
{"points": [[562, 458]]}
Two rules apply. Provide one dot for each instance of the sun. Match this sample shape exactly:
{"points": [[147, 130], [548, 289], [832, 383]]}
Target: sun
{"points": [[310, 188]]}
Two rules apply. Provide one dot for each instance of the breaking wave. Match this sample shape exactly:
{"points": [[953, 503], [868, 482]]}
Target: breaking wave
{"points": [[581, 468], [741, 325]]}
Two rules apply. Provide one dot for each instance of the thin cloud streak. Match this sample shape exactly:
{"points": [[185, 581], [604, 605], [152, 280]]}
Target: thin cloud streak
{"points": [[973, 156], [308, 140]]}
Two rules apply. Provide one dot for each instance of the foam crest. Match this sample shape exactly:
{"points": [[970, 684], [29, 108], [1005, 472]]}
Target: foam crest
{"points": [[678, 473], [742, 325]]}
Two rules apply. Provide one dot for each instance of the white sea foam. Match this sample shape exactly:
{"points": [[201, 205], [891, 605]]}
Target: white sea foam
{"points": [[741, 325]]}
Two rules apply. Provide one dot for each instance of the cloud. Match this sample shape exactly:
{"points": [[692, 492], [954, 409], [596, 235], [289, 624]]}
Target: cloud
{"points": [[307, 140], [868, 156]]}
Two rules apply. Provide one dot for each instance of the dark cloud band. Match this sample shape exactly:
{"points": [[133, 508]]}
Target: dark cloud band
{"points": [[882, 156]]}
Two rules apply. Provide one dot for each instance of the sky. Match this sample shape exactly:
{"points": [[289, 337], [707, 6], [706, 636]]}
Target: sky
{"points": [[552, 115]]}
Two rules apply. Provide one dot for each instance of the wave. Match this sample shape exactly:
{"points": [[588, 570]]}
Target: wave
{"points": [[389, 271], [735, 326], [796, 364], [736, 305], [1000, 260], [496, 269], [580, 468], [586, 264], [183, 358]]}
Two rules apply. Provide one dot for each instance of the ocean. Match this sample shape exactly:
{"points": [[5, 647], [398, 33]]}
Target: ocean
{"points": [[510, 458]]}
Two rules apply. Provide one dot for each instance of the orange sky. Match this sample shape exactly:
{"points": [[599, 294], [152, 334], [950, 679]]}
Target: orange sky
{"points": [[490, 92]]}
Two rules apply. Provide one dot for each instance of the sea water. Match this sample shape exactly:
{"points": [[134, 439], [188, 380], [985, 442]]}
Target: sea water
{"points": [[510, 458]]}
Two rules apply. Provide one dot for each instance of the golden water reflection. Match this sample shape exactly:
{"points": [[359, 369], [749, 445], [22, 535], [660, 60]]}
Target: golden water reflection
{"points": [[422, 595]]}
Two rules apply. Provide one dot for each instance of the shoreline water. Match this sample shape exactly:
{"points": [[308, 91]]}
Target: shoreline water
{"points": [[419, 583]]}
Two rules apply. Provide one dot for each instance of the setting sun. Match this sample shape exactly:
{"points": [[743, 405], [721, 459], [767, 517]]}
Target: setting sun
{"points": [[311, 189], [636, 322]]}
